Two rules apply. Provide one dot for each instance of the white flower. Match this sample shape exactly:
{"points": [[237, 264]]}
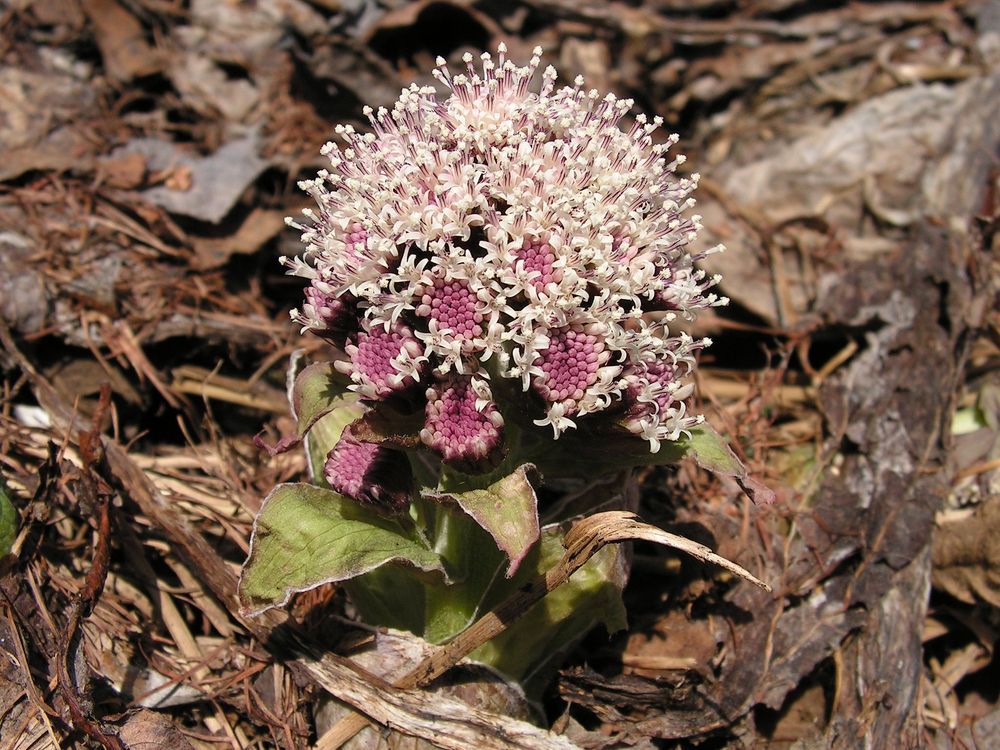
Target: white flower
{"points": [[521, 226]]}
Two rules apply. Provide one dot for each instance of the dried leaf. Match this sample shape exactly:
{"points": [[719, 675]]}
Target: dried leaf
{"points": [[122, 41], [901, 156], [966, 556], [55, 12], [148, 730], [40, 127], [206, 87], [260, 226], [24, 303], [390, 655], [125, 173], [212, 184]]}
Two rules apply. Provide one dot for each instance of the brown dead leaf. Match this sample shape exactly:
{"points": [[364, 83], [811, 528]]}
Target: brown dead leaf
{"points": [[122, 41], [55, 12], [40, 127], [259, 227], [676, 642], [80, 378], [24, 303], [591, 58], [205, 87], [897, 157], [126, 172], [390, 656], [148, 730], [966, 556]]}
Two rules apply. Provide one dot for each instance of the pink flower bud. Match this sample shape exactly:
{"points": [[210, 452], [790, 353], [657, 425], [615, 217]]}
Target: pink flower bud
{"points": [[455, 426], [369, 473]]}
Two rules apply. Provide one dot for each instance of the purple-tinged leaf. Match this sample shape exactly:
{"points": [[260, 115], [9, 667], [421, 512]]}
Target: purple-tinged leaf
{"points": [[305, 536], [507, 509], [712, 452]]}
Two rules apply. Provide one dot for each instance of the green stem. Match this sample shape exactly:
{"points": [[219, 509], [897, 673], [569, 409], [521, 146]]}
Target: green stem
{"points": [[472, 560]]}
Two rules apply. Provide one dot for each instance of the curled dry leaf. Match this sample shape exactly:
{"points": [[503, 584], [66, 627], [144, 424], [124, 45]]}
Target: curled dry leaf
{"points": [[389, 655], [148, 730], [592, 533]]}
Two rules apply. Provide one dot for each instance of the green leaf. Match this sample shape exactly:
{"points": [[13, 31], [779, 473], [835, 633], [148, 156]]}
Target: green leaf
{"points": [[9, 519], [324, 406], [711, 451], [318, 390], [536, 643], [473, 562], [967, 420], [314, 392], [324, 435], [305, 536], [391, 596], [507, 509]]}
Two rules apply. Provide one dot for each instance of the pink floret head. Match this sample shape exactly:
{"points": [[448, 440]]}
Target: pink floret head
{"points": [[462, 423], [508, 230]]}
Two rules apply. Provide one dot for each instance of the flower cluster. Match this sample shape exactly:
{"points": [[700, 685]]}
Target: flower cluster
{"points": [[507, 231]]}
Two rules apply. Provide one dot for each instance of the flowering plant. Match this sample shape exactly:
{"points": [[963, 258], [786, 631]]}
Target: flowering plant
{"points": [[498, 271]]}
